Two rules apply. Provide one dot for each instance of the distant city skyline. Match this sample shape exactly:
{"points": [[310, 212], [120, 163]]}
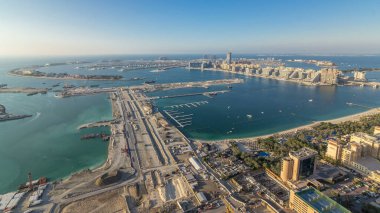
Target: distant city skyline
{"points": [[42, 27]]}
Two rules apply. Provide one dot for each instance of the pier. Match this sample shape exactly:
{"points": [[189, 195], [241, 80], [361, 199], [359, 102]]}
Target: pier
{"points": [[98, 124], [192, 104], [207, 94], [179, 117]]}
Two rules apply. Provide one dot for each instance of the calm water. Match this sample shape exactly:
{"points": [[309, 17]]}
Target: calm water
{"points": [[48, 144]]}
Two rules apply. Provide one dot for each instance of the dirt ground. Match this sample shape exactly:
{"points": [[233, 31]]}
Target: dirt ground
{"points": [[111, 202]]}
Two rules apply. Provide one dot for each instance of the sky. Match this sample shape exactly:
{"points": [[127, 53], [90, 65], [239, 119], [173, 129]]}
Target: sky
{"points": [[94, 27]]}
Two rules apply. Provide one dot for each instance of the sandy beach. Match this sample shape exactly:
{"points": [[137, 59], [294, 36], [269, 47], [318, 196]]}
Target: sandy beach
{"points": [[354, 117]]}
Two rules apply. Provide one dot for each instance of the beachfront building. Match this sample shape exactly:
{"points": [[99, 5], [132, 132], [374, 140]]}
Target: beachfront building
{"points": [[299, 165], [360, 76], [362, 153], [310, 200], [334, 149]]}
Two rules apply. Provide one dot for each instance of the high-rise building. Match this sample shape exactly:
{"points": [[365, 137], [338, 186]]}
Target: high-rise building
{"points": [[362, 153], [334, 149], [370, 144], [360, 76], [310, 200], [286, 169], [299, 165], [229, 58], [329, 76]]}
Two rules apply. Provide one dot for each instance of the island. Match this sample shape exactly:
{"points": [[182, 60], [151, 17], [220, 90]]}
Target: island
{"points": [[4, 116], [38, 74], [28, 90]]}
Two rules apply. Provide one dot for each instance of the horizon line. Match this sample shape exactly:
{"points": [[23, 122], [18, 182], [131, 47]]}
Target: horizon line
{"points": [[195, 53]]}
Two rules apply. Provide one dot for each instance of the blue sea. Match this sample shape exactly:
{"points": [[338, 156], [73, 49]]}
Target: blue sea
{"points": [[48, 144]]}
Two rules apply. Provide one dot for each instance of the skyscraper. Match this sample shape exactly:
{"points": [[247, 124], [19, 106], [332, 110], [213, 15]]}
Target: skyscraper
{"points": [[229, 58]]}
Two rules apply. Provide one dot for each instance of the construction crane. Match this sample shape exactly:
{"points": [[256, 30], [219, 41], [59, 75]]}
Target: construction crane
{"points": [[30, 181]]}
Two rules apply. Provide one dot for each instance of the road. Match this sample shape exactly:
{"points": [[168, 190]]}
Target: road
{"points": [[130, 139]]}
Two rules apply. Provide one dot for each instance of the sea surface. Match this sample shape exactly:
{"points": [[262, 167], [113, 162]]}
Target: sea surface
{"points": [[48, 144]]}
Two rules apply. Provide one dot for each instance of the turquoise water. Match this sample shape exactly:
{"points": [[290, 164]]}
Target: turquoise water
{"points": [[48, 144]]}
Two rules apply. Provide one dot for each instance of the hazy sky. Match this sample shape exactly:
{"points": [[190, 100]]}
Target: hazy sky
{"points": [[77, 27]]}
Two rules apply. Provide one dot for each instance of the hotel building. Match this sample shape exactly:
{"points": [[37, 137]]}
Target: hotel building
{"points": [[299, 165], [310, 200], [362, 153]]}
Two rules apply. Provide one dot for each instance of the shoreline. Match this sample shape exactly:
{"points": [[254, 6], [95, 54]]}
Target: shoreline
{"points": [[303, 83], [353, 117]]}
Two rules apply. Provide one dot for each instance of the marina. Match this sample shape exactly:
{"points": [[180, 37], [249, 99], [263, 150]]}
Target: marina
{"points": [[189, 105], [179, 118]]}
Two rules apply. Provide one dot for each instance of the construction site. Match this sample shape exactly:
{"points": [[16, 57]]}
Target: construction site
{"points": [[151, 165]]}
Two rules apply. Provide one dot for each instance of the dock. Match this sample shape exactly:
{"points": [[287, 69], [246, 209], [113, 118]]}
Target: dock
{"points": [[207, 94], [179, 118], [191, 104]]}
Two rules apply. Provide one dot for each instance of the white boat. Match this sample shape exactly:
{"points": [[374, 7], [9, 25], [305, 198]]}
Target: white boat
{"points": [[310, 100], [249, 116], [158, 70]]}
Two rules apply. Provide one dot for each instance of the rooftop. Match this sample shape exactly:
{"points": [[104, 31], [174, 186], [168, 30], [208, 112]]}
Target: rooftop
{"points": [[370, 163], [366, 136], [303, 152], [320, 202]]}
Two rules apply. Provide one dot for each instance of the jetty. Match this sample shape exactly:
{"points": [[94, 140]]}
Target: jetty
{"points": [[103, 136], [98, 124], [207, 94]]}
